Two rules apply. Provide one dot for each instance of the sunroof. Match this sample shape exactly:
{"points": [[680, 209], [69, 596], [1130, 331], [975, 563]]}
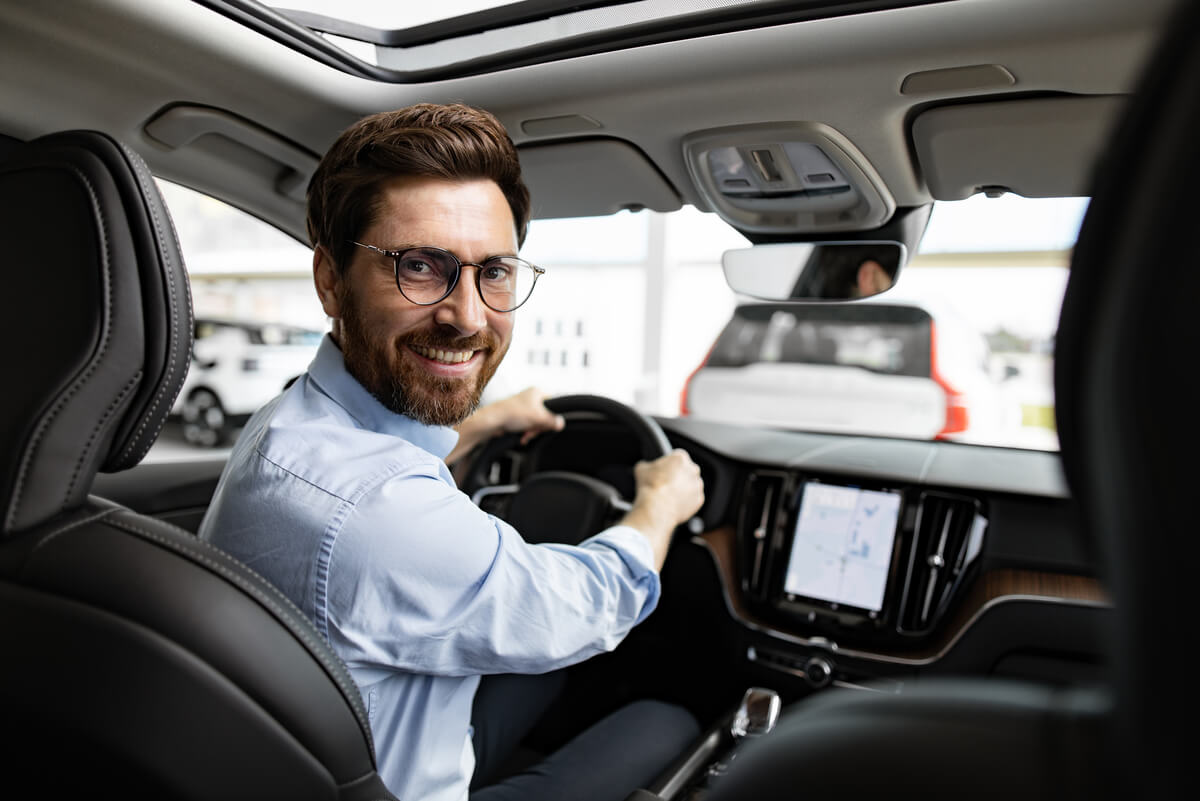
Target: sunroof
{"points": [[390, 15], [409, 42]]}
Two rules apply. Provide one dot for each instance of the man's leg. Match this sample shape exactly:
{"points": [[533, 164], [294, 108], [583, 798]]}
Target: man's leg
{"points": [[623, 752], [506, 708]]}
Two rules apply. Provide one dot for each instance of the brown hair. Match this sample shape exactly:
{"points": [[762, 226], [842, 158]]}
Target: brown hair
{"points": [[453, 142]]}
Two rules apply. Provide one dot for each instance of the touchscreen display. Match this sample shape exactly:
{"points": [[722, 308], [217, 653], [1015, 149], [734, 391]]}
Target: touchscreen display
{"points": [[842, 545]]}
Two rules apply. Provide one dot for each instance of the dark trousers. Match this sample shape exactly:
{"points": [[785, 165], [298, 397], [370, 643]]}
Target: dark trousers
{"points": [[617, 755]]}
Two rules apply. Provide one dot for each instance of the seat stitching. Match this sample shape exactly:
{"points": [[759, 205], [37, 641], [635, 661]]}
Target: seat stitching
{"points": [[112, 407], [51, 535], [170, 278], [60, 404], [165, 254], [279, 604]]}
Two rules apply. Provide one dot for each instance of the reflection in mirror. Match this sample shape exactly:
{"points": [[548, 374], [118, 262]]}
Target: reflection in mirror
{"points": [[813, 270]]}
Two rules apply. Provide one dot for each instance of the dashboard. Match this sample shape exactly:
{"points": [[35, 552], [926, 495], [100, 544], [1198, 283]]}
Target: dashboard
{"points": [[862, 562]]}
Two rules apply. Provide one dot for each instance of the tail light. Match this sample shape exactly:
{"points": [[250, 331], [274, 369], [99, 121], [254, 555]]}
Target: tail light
{"points": [[957, 415], [684, 411]]}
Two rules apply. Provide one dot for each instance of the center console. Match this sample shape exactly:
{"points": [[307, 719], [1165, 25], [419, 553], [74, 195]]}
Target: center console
{"points": [[855, 563]]}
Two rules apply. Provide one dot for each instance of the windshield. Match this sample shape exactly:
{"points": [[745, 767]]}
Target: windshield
{"points": [[634, 306]]}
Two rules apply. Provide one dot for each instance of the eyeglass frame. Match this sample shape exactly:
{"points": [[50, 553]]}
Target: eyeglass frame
{"points": [[396, 255]]}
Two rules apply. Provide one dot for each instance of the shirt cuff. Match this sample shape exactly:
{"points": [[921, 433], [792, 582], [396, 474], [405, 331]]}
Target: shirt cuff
{"points": [[633, 547]]}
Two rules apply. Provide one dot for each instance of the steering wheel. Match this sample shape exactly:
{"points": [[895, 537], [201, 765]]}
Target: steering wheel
{"points": [[563, 506]]}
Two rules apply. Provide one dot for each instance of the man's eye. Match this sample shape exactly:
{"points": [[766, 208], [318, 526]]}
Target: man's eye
{"points": [[416, 267], [495, 272]]}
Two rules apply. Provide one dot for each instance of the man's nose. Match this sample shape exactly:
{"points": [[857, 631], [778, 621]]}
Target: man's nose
{"points": [[463, 308]]}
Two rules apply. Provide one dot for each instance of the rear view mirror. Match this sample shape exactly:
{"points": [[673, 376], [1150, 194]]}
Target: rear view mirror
{"points": [[813, 270]]}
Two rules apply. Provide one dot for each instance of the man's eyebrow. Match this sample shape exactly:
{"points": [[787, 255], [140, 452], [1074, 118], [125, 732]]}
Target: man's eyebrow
{"points": [[506, 254]]}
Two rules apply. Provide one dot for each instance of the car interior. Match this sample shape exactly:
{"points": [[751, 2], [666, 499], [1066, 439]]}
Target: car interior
{"points": [[1008, 638]]}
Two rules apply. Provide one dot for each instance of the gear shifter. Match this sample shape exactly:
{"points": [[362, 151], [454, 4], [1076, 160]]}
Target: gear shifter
{"points": [[756, 714]]}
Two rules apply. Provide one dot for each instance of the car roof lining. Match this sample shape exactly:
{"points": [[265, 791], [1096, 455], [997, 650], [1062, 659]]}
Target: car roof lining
{"points": [[802, 72]]}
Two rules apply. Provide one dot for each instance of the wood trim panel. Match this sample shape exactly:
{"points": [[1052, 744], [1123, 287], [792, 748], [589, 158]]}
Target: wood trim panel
{"points": [[988, 588]]}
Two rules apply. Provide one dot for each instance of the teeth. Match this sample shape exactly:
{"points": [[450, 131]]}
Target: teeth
{"points": [[446, 356]]}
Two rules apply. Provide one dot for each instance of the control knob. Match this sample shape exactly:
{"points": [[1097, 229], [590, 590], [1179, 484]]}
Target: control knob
{"points": [[818, 671]]}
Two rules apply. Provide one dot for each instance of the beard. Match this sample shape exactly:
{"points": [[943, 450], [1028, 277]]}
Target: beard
{"points": [[382, 368]]}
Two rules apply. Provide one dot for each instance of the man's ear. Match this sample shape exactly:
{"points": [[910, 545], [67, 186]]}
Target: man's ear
{"points": [[327, 281]]}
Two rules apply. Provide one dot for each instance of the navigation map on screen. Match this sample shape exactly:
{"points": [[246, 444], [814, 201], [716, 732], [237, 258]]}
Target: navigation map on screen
{"points": [[843, 545]]}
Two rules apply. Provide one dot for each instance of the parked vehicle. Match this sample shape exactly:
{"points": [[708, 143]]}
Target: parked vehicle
{"points": [[236, 367], [876, 368]]}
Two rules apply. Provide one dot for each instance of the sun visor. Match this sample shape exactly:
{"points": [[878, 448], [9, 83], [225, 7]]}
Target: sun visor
{"points": [[1037, 147], [593, 177]]}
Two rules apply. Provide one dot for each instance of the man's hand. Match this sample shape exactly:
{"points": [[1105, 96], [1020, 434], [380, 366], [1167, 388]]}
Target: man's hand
{"points": [[669, 492], [525, 412]]}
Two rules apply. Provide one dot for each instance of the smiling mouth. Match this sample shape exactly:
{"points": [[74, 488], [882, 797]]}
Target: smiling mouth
{"points": [[443, 356]]}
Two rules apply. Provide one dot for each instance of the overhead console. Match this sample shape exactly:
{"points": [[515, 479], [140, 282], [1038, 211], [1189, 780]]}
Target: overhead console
{"points": [[792, 177], [865, 563]]}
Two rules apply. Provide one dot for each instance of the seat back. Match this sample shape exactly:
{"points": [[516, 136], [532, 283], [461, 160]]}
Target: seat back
{"points": [[1126, 404], [136, 658]]}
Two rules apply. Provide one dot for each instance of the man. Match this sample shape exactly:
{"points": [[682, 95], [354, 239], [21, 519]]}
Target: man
{"points": [[338, 491], [844, 271]]}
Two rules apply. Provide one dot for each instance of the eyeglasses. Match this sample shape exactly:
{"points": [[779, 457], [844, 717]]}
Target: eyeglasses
{"points": [[427, 275]]}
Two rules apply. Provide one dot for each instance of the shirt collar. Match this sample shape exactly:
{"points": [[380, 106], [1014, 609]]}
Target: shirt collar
{"points": [[328, 370]]}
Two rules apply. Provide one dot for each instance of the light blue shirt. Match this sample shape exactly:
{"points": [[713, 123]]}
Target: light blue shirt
{"points": [[350, 510]]}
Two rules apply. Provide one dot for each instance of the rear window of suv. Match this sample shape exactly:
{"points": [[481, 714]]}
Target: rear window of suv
{"points": [[893, 340]]}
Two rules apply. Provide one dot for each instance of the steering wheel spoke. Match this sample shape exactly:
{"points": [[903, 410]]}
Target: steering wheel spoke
{"points": [[495, 498]]}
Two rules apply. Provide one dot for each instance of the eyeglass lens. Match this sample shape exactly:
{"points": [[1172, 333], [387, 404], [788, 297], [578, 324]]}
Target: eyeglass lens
{"points": [[425, 275]]}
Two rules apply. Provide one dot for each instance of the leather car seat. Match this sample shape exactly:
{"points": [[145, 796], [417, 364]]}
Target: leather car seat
{"points": [[136, 659], [1126, 413]]}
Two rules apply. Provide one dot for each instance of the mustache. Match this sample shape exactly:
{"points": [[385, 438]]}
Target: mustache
{"points": [[446, 340]]}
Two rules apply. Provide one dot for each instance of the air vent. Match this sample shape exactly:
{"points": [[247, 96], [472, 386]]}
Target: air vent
{"points": [[761, 505], [946, 541]]}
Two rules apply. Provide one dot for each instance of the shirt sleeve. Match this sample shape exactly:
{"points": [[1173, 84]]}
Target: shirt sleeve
{"points": [[421, 579]]}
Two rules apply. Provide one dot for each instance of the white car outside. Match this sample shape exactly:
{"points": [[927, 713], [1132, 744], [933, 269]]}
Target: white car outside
{"points": [[236, 367], [870, 367]]}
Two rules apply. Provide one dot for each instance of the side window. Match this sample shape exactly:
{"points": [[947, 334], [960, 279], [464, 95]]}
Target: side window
{"points": [[257, 319]]}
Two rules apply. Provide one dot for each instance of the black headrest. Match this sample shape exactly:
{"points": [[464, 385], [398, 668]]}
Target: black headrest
{"points": [[96, 323], [1126, 400]]}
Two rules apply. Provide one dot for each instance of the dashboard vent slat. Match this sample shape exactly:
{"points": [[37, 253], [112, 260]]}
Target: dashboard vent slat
{"points": [[762, 500], [948, 536]]}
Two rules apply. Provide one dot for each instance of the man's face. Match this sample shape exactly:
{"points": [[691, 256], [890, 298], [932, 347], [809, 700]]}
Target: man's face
{"points": [[430, 363]]}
